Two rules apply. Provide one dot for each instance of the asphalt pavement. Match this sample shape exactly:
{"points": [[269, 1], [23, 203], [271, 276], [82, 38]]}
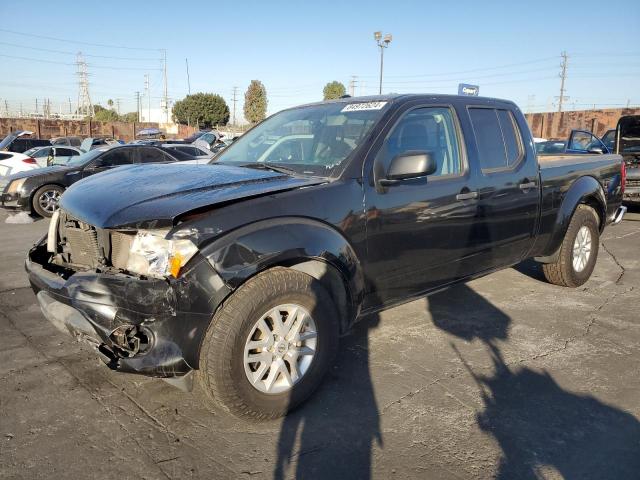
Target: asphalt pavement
{"points": [[504, 377]]}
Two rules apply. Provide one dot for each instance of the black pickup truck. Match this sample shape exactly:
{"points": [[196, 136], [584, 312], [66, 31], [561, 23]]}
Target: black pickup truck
{"points": [[245, 272]]}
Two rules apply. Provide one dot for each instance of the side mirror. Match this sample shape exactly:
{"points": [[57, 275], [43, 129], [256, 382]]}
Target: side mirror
{"points": [[595, 150], [407, 165]]}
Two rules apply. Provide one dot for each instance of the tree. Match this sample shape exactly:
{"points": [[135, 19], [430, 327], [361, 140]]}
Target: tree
{"points": [[333, 90], [129, 117], [204, 109], [255, 102], [106, 115], [110, 103]]}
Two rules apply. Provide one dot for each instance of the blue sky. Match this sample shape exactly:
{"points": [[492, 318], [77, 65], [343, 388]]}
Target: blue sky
{"points": [[511, 49]]}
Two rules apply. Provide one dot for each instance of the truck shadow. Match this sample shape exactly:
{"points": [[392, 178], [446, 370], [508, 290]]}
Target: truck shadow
{"points": [[539, 426], [332, 434]]}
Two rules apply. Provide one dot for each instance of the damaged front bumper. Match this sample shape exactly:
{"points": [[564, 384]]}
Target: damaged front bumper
{"points": [[152, 327]]}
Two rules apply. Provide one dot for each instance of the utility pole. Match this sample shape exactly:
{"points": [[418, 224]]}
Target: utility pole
{"points": [[138, 104], [85, 107], [235, 99], [563, 77], [118, 105], [6, 108], [165, 95], [148, 92], [352, 85], [36, 106], [382, 43], [186, 61]]}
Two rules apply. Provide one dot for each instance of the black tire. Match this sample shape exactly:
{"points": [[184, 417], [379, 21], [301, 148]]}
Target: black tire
{"points": [[36, 201], [562, 271], [221, 374]]}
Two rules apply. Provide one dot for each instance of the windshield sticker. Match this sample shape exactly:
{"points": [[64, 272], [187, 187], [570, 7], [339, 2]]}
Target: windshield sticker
{"points": [[358, 107]]}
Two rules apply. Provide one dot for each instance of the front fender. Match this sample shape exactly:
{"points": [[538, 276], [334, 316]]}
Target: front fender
{"points": [[585, 190], [284, 241]]}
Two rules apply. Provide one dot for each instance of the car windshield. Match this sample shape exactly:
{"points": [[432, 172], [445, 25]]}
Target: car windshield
{"points": [[78, 159], [314, 140]]}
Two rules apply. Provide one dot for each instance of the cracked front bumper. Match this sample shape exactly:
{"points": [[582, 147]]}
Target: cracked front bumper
{"points": [[93, 306]]}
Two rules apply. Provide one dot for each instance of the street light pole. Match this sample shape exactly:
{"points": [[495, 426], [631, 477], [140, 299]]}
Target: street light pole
{"points": [[382, 43]]}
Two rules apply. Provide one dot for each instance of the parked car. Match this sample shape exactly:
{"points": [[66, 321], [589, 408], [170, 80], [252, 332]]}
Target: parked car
{"points": [[194, 136], [199, 155], [39, 191], [249, 269], [17, 143], [207, 140], [72, 141], [11, 162], [628, 145], [46, 156], [579, 141]]}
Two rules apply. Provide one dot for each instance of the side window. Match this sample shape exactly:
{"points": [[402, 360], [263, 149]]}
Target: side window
{"points": [[497, 137], [430, 129], [65, 152], [151, 155], [511, 136], [116, 157]]}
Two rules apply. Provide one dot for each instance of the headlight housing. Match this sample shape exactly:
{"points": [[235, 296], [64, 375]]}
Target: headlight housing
{"points": [[15, 185], [153, 255]]}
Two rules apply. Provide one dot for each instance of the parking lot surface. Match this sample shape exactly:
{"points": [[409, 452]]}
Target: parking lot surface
{"points": [[504, 377]]}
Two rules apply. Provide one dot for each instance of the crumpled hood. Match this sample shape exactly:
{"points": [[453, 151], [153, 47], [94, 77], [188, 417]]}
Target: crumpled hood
{"points": [[152, 196]]}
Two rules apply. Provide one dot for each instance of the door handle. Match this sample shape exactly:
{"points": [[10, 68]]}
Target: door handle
{"points": [[527, 185], [467, 196]]}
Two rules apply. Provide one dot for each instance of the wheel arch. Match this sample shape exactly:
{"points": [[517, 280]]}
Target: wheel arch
{"points": [[302, 244], [585, 190]]}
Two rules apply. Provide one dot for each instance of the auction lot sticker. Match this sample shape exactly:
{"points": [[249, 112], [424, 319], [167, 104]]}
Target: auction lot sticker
{"points": [[358, 107]]}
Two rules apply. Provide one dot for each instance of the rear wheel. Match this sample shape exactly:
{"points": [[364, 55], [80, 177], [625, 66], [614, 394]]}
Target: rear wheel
{"points": [[578, 252], [46, 199], [269, 346]]}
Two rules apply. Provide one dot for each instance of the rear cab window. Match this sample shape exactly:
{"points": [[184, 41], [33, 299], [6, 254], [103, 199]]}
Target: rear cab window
{"points": [[498, 138]]}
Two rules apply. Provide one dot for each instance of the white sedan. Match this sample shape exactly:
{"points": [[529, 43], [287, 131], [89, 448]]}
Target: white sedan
{"points": [[11, 162]]}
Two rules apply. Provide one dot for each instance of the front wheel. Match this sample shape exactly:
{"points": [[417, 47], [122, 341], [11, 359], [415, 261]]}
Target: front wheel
{"points": [[578, 252], [46, 199], [270, 344]]}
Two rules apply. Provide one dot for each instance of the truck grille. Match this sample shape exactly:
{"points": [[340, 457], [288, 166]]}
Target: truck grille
{"points": [[79, 241], [632, 183], [84, 245]]}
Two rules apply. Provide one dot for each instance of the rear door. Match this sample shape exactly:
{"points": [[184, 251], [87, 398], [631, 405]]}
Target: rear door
{"points": [[508, 187]]}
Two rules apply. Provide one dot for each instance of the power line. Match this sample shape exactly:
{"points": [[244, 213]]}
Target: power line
{"points": [[66, 52], [481, 69], [109, 67], [76, 42]]}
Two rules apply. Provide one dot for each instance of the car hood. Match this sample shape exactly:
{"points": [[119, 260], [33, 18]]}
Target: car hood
{"points": [[152, 196]]}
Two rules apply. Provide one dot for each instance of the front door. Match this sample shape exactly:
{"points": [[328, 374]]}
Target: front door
{"points": [[418, 229]]}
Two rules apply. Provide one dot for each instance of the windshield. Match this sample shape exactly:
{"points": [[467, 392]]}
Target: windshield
{"points": [[79, 159], [314, 140]]}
